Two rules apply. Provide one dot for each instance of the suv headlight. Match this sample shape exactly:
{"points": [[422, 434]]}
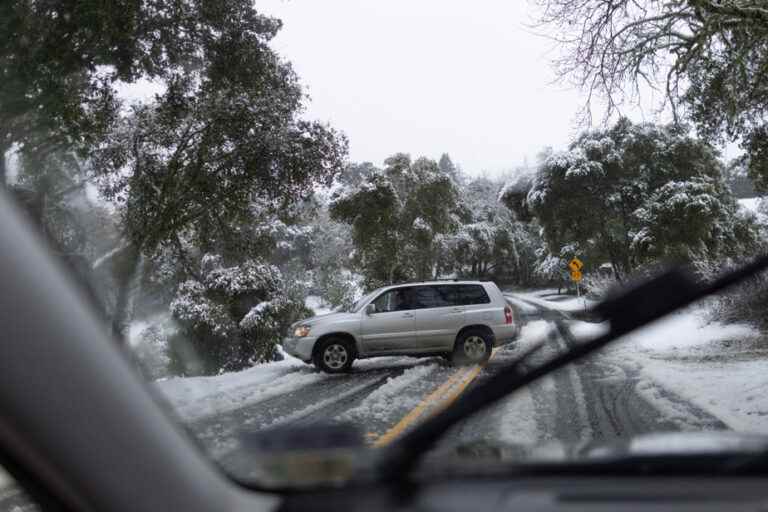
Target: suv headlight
{"points": [[301, 331]]}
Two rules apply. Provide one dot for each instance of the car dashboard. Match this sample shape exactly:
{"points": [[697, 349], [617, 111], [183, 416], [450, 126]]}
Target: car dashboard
{"points": [[570, 494]]}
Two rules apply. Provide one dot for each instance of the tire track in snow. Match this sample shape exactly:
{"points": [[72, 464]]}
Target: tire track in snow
{"points": [[622, 404], [590, 400], [318, 398]]}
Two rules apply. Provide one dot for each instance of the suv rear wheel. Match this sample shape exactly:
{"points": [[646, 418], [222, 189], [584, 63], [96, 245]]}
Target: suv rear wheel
{"points": [[334, 355], [473, 346]]}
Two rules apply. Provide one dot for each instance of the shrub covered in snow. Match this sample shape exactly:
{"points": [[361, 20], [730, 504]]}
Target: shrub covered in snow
{"points": [[597, 285], [231, 318], [151, 351], [747, 302]]}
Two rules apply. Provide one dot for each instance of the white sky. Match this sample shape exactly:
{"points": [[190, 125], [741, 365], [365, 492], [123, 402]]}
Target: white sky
{"points": [[466, 77], [428, 76]]}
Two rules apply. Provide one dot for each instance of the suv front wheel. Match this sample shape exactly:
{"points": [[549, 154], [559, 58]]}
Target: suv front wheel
{"points": [[334, 355], [473, 346]]}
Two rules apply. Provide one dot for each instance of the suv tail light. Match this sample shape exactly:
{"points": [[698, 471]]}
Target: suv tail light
{"points": [[507, 314]]}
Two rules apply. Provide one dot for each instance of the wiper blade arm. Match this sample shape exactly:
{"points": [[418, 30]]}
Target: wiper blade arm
{"points": [[637, 307]]}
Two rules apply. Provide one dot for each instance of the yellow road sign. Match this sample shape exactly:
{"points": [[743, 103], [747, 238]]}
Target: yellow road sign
{"points": [[576, 275], [575, 264]]}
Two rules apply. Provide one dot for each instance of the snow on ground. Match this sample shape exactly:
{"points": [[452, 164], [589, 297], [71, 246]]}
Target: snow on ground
{"points": [[199, 397], [523, 307], [5, 480], [322, 404], [518, 420], [734, 392], [389, 362], [518, 416], [194, 398], [689, 329], [552, 300], [719, 368], [672, 410], [390, 395], [532, 333], [587, 330]]}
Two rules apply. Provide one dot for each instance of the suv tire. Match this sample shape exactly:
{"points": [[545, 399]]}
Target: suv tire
{"points": [[473, 346], [334, 355]]}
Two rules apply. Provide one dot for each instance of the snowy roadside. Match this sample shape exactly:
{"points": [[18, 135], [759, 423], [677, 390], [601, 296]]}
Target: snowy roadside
{"points": [[195, 398], [722, 369]]}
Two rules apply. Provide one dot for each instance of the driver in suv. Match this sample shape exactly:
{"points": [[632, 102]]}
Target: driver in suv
{"points": [[462, 320]]}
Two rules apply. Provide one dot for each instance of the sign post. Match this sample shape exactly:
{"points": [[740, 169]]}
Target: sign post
{"points": [[576, 265]]}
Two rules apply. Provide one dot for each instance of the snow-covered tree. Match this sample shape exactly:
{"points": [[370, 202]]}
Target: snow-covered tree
{"points": [[446, 166], [552, 269], [635, 194], [231, 318], [397, 216], [225, 134], [708, 57], [691, 215], [489, 241]]}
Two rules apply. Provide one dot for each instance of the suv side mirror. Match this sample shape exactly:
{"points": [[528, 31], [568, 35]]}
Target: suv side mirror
{"points": [[370, 309]]}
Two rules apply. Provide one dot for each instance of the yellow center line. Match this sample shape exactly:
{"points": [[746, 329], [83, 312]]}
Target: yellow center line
{"points": [[417, 411], [441, 398]]}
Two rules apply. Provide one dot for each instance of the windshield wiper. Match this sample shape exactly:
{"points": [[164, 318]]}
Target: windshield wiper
{"points": [[633, 309]]}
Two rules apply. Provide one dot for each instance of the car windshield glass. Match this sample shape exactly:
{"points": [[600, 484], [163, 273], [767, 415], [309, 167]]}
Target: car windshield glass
{"points": [[364, 300], [215, 180]]}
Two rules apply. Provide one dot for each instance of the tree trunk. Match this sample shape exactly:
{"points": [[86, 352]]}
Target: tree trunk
{"points": [[627, 242], [124, 277], [392, 273], [616, 272]]}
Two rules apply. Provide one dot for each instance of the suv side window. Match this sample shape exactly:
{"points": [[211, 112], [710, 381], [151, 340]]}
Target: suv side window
{"points": [[435, 296], [399, 299], [470, 294]]}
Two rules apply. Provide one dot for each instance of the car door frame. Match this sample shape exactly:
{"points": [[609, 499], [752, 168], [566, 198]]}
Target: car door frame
{"points": [[382, 343], [443, 338]]}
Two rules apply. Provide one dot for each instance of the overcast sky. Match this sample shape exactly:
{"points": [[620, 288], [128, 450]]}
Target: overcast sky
{"points": [[429, 76]]}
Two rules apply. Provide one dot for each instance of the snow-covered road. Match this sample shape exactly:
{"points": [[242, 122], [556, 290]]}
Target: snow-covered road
{"points": [[613, 394], [680, 374]]}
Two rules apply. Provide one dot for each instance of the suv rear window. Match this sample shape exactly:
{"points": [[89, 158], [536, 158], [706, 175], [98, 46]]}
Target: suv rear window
{"points": [[470, 294], [434, 297], [444, 295]]}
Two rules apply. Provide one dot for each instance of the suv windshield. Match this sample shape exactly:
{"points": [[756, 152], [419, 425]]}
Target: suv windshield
{"points": [[215, 180], [359, 304]]}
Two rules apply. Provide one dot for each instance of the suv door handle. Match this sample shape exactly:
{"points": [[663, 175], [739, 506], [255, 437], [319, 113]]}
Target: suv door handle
{"points": [[407, 315], [458, 310]]}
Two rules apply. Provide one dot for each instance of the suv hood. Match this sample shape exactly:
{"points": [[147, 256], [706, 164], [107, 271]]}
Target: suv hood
{"points": [[327, 318]]}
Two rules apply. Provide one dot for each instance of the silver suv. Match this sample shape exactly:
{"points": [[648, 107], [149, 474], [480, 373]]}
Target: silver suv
{"points": [[462, 320]]}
